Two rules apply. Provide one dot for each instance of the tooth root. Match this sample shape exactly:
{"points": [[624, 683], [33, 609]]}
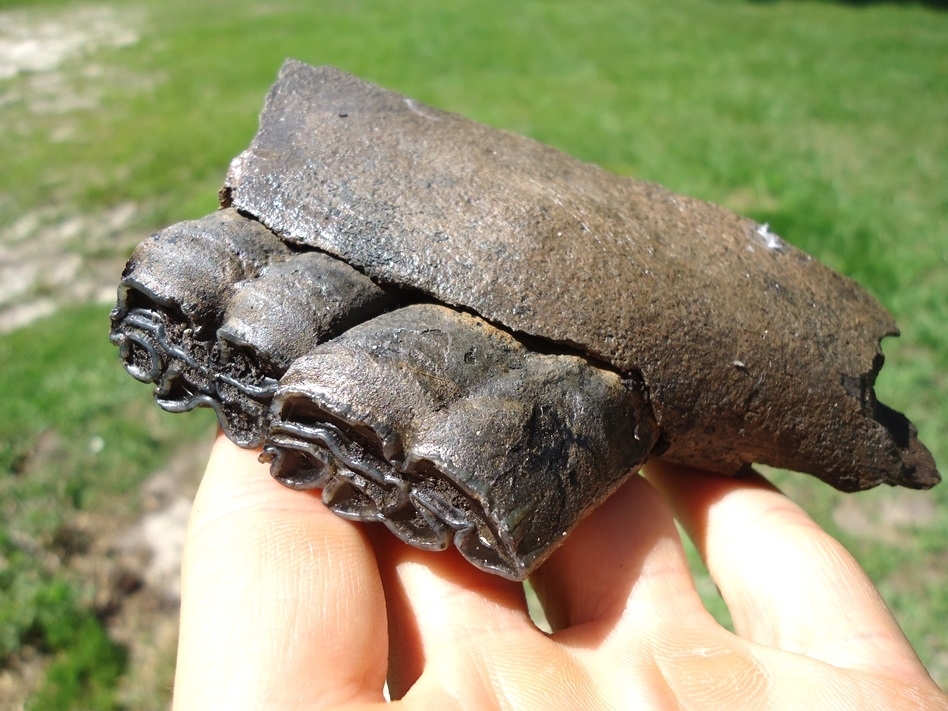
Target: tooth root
{"points": [[464, 435]]}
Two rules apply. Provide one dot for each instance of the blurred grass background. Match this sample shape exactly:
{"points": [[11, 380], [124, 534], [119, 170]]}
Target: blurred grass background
{"points": [[826, 120]]}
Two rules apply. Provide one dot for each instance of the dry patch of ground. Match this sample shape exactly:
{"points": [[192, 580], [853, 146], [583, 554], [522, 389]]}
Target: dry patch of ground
{"points": [[54, 255], [130, 563], [41, 42], [50, 258], [888, 519], [59, 255]]}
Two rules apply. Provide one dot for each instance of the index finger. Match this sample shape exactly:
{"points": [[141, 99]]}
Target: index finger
{"points": [[282, 606]]}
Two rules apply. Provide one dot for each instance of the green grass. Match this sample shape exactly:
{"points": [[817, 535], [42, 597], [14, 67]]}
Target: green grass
{"points": [[76, 435], [826, 120]]}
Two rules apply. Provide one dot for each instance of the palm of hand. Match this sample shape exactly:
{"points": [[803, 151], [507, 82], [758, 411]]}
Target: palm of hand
{"points": [[286, 606]]}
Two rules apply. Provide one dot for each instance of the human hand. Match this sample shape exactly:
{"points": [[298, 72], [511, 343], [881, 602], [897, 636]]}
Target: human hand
{"points": [[287, 606]]}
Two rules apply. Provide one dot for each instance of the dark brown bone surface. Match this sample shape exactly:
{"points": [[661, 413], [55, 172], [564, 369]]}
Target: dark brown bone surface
{"points": [[731, 345]]}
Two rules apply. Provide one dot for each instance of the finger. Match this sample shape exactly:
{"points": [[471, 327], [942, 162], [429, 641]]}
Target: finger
{"points": [[625, 559], [475, 639], [720, 672], [438, 604], [281, 602], [787, 583]]}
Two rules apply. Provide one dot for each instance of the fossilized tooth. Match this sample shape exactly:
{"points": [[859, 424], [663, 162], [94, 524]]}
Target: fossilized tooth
{"points": [[214, 310], [588, 294], [448, 429]]}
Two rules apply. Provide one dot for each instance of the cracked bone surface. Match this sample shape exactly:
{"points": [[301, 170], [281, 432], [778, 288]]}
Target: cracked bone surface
{"points": [[364, 238]]}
